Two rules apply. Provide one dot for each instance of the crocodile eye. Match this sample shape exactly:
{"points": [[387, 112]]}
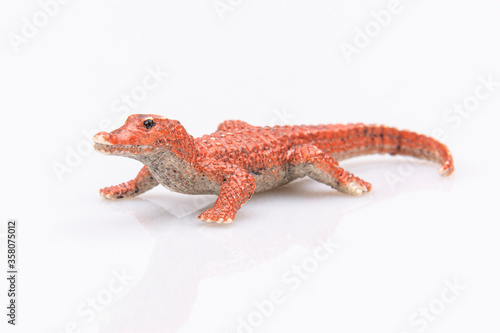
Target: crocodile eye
{"points": [[149, 123]]}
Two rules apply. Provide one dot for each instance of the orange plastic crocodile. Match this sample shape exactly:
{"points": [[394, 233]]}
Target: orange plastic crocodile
{"points": [[240, 159]]}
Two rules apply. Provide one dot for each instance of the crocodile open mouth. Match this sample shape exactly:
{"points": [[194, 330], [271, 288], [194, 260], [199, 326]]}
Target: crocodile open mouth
{"points": [[110, 149], [105, 147]]}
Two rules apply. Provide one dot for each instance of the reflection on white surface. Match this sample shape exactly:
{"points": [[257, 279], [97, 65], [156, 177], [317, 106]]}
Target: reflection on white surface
{"points": [[187, 251]]}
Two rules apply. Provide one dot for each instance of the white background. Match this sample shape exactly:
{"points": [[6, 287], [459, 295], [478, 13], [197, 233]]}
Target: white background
{"points": [[266, 62]]}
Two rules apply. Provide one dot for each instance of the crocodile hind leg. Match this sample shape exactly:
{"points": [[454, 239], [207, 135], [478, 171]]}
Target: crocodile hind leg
{"points": [[308, 160], [140, 184]]}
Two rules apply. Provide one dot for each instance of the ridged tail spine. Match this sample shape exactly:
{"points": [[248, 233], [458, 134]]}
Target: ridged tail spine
{"points": [[344, 141]]}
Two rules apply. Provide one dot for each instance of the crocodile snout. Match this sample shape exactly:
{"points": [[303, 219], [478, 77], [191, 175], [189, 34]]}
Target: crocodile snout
{"points": [[102, 138]]}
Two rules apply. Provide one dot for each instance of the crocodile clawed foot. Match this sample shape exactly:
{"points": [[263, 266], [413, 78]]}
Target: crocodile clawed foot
{"points": [[217, 215], [117, 192]]}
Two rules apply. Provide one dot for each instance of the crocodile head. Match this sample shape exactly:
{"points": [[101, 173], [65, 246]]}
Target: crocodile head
{"points": [[142, 135]]}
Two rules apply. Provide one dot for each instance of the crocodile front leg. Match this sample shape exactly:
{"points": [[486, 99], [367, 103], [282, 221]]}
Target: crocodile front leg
{"points": [[140, 184], [237, 187]]}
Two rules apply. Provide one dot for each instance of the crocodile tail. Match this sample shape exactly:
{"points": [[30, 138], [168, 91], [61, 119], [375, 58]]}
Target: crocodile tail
{"points": [[345, 141]]}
